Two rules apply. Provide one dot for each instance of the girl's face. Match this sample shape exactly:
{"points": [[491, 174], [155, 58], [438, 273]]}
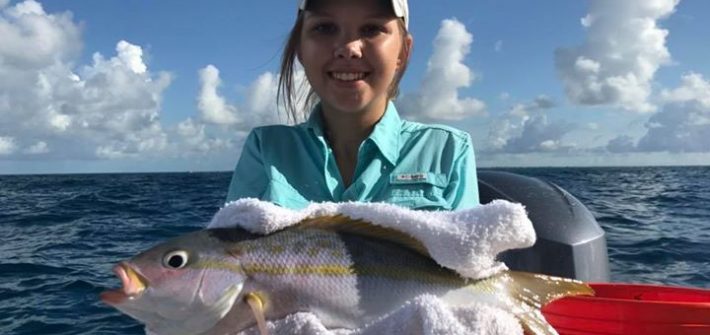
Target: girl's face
{"points": [[351, 51]]}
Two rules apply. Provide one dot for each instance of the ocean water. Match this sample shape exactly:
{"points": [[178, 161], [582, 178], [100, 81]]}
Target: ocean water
{"points": [[60, 235]]}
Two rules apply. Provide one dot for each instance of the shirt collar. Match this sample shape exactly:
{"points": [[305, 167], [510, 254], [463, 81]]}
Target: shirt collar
{"points": [[315, 121], [385, 135]]}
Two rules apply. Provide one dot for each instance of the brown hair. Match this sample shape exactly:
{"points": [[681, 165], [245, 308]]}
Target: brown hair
{"points": [[287, 92]]}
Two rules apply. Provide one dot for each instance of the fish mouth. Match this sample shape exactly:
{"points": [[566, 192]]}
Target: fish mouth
{"points": [[133, 285]]}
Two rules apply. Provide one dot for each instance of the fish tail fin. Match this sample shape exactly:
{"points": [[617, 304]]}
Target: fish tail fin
{"points": [[529, 292]]}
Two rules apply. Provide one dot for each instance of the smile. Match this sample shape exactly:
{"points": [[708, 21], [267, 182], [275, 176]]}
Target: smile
{"points": [[348, 76]]}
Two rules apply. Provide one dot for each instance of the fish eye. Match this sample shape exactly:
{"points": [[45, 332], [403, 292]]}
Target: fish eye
{"points": [[175, 259]]}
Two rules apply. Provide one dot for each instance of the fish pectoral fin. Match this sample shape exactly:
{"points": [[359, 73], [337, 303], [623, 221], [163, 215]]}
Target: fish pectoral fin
{"points": [[256, 304], [531, 292]]}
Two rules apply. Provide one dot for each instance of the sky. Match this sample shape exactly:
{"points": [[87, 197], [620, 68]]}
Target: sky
{"points": [[132, 85]]}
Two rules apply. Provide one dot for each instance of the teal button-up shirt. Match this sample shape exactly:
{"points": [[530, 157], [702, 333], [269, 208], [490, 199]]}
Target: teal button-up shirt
{"points": [[406, 163]]}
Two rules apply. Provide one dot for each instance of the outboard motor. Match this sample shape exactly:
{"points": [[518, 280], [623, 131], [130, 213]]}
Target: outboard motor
{"points": [[570, 242]]}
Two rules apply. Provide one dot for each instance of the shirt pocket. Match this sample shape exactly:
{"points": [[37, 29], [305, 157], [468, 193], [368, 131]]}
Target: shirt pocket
{"points": [[418, 190]]}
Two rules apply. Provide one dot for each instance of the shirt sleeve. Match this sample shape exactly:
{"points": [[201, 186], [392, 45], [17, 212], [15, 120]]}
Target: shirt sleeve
{"points": [[462, 191], [249, 179]]}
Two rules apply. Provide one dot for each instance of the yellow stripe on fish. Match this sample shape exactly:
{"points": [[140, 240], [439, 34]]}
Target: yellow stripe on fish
{"points": [[321, 270]]}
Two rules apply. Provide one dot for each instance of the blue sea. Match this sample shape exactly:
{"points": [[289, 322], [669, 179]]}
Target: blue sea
{"points": [[60, 235]]}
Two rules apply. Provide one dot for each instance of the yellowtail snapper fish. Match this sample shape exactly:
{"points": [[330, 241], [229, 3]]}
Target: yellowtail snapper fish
{"points": [[346, 272]]}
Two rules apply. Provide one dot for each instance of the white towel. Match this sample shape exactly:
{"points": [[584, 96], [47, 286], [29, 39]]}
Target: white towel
{"points": [[424, 315], [466, 241]]}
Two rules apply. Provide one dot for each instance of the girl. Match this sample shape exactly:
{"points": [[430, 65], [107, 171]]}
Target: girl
{"points": [[354, 146]]}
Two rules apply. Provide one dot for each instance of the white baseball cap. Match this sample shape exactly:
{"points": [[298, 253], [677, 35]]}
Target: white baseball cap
{"points": [[401, 9]]}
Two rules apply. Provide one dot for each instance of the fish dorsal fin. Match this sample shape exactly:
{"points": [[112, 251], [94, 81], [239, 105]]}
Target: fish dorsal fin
{"points": [[344, 224]]}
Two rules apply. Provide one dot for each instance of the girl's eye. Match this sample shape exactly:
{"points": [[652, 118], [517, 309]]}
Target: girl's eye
{"points": [[372, 30], [324, 28]]}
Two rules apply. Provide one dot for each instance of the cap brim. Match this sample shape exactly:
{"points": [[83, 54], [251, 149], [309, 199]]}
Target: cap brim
{"points": [[400, 7]]}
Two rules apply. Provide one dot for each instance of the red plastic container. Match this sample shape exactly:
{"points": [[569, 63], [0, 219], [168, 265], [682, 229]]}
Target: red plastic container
{"points": [[632, 309]]}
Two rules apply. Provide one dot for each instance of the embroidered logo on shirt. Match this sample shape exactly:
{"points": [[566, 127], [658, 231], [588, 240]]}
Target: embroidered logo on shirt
{"points": [[404, 177]]}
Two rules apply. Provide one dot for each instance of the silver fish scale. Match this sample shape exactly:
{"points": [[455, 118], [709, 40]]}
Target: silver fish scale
{"points": [[347, 280], [304, 270]]}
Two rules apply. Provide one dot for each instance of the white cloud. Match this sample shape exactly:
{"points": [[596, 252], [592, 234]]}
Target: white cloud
{"points": [[523, 110], [32, 39], [195, 139], [682, 126], [542, 102], [693, 88], [7, 145], [260, 105], [193, 134], [213, 108], [536, 134], [108, 109], [4, 3], [684, 123], [38, 148], [60, 122], [131, 56], [621, 144], [525, 128], [623, 51], [222, 125], [438, 97]]}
